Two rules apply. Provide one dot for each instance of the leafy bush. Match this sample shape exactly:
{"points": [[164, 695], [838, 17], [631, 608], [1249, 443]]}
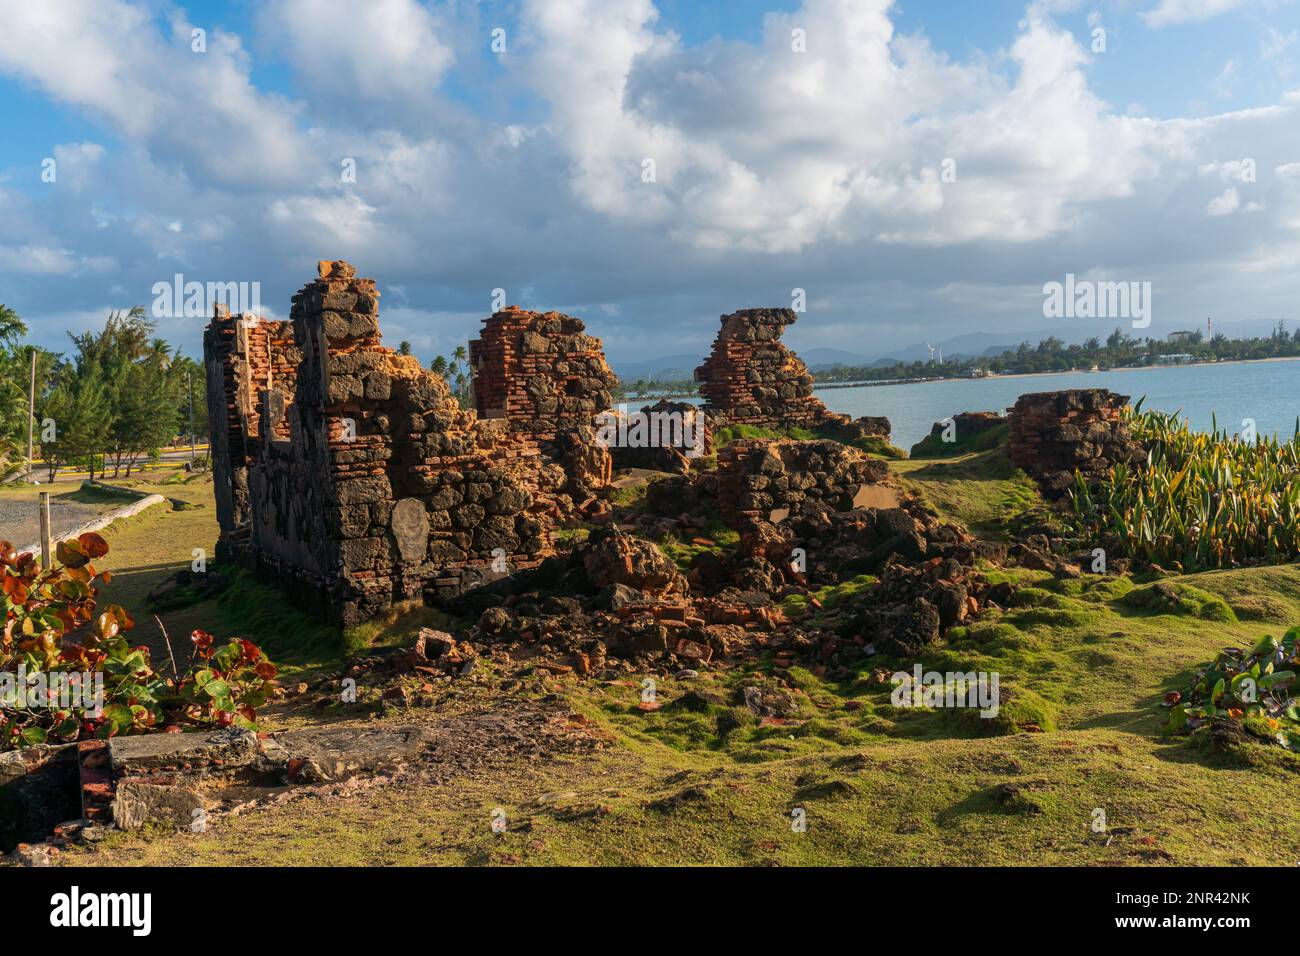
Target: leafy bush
{"points": [[221, 685], [1199, 501], [1251, 688]]}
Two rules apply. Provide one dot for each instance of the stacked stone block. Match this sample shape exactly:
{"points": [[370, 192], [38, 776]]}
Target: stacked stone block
{"points": [[751, 378], [773, 480], [1053, 435], [368, 485], [547, 378]]}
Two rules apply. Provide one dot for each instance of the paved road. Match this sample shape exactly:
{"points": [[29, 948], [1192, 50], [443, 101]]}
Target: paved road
{"points": [[172, 457], [20, 522]]}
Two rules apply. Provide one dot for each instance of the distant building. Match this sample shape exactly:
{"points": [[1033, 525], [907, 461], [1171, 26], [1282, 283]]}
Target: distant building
{"points": [[1183, 335], [1178, 359]]}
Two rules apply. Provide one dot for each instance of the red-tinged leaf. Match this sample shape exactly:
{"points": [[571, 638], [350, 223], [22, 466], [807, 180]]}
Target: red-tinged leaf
{"points": [[93, 545], [69, 554]]}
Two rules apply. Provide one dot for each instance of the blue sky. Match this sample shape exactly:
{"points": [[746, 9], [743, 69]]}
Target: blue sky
{"points": [[523, 170]]}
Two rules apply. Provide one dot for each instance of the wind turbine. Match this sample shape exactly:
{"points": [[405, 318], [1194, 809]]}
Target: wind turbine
{"points": [[931, 348]]}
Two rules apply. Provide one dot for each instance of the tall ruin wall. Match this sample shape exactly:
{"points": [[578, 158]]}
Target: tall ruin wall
{"points": [[244, 356], [366, 483], [752, 378], [548, 379]]}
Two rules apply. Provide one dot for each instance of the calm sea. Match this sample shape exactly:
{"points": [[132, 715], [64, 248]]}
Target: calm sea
{"points": [[1268, 392]]}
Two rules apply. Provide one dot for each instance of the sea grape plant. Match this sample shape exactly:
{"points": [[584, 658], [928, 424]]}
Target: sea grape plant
{"points": [[1252, 687], [53, 628]]}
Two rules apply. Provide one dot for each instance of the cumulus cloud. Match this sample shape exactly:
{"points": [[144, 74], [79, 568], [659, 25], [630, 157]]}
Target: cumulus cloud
{"points": [[1170, 12], [760, 146], [1229, 202], [898, 185], [112, 59], [389, 48]]}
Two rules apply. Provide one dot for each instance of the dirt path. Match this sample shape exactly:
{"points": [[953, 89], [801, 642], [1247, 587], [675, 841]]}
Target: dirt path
{"points": [[20, 522]]}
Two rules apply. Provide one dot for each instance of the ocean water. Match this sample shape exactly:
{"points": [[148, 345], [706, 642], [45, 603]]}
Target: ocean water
{"points": [[1268, 392]]}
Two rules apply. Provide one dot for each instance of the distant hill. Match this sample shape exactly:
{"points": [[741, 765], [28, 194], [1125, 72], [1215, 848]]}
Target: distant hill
{"points": [[669, 368]]}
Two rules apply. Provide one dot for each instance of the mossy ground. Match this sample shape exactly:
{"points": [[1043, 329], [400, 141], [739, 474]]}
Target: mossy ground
{"points": [[702, 781]]}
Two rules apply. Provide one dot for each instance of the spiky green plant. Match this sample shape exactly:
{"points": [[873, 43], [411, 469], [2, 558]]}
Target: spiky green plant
{"points": [[1201, 500], [11, 462]]}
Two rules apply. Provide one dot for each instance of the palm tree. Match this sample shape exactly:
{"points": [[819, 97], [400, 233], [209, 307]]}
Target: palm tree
{"points": [[11, 462], [438, 365], [11, 327]]}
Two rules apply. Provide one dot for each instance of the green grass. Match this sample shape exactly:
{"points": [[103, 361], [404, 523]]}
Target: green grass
{"points": [[702, 781], [982, 490], [933, 446]]}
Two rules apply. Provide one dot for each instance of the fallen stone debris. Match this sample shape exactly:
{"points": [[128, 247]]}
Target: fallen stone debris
{"points": [[350, 476]]}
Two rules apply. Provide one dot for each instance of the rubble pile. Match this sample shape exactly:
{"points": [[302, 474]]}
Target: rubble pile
{"points": [[666, 436], [773, 480], [1056, 434], [544, 375]]}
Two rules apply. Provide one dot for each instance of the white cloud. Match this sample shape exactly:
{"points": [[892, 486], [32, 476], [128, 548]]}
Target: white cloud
{"points": [[375, 50], [111, 58], [49, 260], [759, 147], [1189, 11], [1224, 204]]}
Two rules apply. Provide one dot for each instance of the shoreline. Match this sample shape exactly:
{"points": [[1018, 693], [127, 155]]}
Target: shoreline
{"points": [[1073, 371], [877, 383]]}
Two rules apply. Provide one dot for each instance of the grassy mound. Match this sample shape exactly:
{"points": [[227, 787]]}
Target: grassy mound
{"points": [[933, 445]]}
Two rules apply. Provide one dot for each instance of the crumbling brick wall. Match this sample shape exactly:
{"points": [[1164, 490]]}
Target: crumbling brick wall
{"points": [[774, 480], [751, 378], [242, 356], [544, 375], [1055, 434], [368, 485]]}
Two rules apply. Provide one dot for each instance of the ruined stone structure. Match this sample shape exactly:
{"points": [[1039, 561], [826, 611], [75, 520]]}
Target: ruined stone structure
{"points": [[774, 480], [548, 379], [1055, 434], [750, 378], [363, 484], [245, 356]]}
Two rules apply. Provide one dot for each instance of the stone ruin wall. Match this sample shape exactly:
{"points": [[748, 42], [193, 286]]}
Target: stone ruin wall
{"points": [[1055, 434], [367, 484], [350, 474], [760, 480], [543, 375], [244, 356], [752, 378]]}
